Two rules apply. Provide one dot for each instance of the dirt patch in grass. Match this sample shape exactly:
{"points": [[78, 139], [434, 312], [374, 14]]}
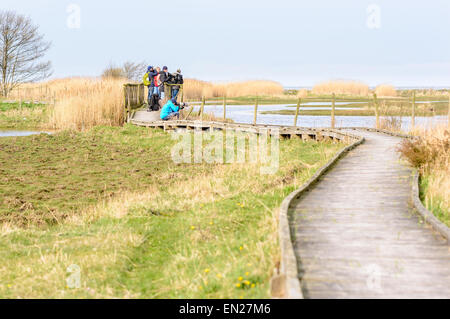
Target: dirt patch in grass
{"points": [[46, 178]]}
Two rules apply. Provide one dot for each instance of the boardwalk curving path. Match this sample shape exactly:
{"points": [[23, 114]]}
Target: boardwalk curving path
{"points": [[356, 236]]}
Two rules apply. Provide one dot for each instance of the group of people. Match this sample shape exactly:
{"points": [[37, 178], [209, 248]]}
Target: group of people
{"points": [[155, 79]]}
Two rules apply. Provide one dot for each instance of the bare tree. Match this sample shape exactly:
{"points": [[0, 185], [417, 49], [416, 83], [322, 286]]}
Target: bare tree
{"points": [[21, 51], [113, 71], [134, 71], [129, 70]]}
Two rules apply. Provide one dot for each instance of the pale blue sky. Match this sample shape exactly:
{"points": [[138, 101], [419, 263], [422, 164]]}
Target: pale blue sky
{"points": [[297, 43]]}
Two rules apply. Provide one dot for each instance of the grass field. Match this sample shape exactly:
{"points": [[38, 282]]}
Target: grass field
{"points": [[434, 198], [111, 201], [24, 116]]}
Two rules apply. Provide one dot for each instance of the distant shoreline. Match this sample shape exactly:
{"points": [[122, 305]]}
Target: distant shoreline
{"points": [[373, 87]]}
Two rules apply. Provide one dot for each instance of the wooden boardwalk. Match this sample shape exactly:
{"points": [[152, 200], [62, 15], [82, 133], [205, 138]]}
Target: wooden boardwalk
{"points": [[356, 236]]}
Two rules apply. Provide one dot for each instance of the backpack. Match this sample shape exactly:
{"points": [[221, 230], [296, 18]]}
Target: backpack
{"points": [[154, 103], [179, 79]]}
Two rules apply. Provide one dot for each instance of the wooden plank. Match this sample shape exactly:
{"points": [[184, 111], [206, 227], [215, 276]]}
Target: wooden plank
{"points": [[224, 108], [356, 223], [333, 106], [296, 111], [377, 114], [256, 111], [202, 107]]}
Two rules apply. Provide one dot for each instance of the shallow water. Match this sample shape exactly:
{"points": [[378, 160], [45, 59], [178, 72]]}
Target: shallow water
{"points": [[244, 114], [329, 103], [18, 133]]}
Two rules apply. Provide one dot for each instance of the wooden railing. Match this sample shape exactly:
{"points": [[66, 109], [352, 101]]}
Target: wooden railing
{"points": [[373, 101], [135, 98]]}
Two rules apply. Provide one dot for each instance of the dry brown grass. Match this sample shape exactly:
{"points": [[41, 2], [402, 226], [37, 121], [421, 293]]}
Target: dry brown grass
{"points": [[302, 93], [430, 153], [95, 103], [391, 123], [341, 87], [195, 89], [385, 90], [77, 103], [64, 88]]}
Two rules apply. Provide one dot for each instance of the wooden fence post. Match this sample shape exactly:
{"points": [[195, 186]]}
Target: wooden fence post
{"points": [[377, 115], [333, 106], [296, 111], [125, 110], [129, 101], [224, 108], [413, 112], [202, 107], [256, 111], [182, 93]]}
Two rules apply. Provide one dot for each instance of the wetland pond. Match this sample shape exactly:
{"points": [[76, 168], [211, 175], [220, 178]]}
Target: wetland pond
{"points": [[244, 114], [6, 133]]}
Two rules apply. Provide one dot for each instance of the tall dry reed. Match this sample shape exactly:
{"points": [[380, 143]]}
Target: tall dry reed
{"points": [[302, 93], [98, 102], [77, 103], [341, 87], [195, 89], [385, 90]]}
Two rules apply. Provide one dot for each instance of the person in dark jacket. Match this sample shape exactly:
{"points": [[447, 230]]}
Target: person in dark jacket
{"points": [[148, 80], [153, 104], [164, 78], [177, 79]]}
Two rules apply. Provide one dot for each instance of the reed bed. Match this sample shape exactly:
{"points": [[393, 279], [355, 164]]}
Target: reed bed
{"points": [[81, 103], [385, 90], [100, 104], [77, 103], [341, 87], [302, 93], [59, 89], [430, 153], [196, 89]]}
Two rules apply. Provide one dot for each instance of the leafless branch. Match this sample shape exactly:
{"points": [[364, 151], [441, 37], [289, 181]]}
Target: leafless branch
{"points": [[21, 51]]}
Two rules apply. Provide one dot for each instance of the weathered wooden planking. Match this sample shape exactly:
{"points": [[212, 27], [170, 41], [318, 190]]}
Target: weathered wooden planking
{"points": [[357, 237], [147, 119]]}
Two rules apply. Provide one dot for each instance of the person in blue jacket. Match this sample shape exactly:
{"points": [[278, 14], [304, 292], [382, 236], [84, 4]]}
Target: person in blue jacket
{"points": [[149, 81], [170, 110]]}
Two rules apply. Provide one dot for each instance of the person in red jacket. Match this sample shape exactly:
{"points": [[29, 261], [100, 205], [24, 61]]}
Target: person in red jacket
{"points": [[157, 81]]}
